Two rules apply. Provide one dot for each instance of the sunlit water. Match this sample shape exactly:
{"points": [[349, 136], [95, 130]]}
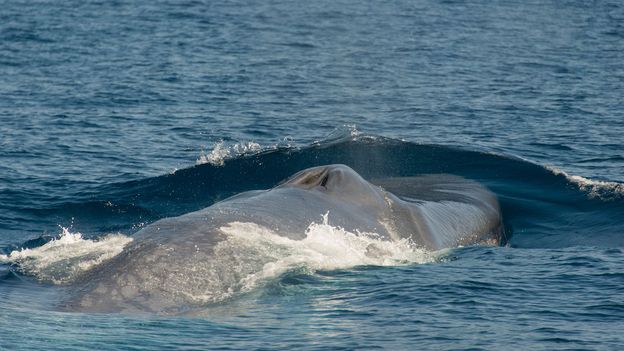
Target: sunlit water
{"points": [[114, 114]]}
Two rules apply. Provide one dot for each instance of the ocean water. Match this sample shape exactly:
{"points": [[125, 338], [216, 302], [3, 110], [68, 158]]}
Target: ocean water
{"points": [[115, 114]]}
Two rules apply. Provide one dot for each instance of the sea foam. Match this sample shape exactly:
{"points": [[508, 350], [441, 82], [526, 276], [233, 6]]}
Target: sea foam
{"points": [[61, 260], [252, 255], [221, 152], [595, 189], [249, 256]]}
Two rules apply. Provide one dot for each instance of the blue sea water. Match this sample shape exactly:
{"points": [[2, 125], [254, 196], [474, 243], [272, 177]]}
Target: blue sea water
{"points": [[114, 114]]}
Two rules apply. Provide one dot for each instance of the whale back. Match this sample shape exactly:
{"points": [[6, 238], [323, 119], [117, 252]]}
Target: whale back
{"points": [[340, 182], [176, 263], [435, 211], [442, 210]]}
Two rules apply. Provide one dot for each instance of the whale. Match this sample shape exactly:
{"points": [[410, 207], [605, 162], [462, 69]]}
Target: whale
{"points": [[176, 264]]}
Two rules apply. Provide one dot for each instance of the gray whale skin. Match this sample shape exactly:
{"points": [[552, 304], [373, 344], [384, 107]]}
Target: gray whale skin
{"points": [[173, 261]]}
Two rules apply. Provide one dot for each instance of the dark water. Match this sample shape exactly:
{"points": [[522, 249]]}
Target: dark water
{"points": [[111, 114]]}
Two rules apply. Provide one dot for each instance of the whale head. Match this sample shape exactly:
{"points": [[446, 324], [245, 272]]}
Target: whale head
{"points": [[337, 181]]}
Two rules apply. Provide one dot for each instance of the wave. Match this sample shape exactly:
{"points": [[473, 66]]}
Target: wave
{"points": [[542, 206], [600, 189]]}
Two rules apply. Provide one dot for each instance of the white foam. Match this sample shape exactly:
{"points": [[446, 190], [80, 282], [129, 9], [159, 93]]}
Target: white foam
{"points": [[250, 256], [221, 152], [61, 260], [324, 247], [594, 188]]}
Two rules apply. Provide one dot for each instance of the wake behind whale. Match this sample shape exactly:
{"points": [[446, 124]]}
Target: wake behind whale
{"points": [[180, 263]]}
